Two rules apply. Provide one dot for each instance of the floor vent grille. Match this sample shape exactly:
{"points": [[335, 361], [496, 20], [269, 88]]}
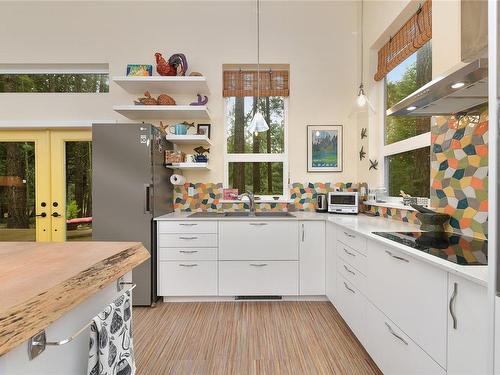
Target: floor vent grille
{"points": [[241, 298]]}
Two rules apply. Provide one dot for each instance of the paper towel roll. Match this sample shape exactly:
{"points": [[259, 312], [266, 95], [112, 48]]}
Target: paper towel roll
{"points": [[177, 179]]}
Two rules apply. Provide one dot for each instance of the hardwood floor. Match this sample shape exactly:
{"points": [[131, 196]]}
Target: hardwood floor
{"points": [[246, 338]]}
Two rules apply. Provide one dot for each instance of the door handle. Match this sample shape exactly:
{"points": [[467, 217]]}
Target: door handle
{"points": [[147, 208], [258, 264], [396, 257], [349, 289], [349, 235], [43, 214], [348, 270], [258, 224], [303, 233], [349, 253], [452, 305], [56, 214], [395, 334]]}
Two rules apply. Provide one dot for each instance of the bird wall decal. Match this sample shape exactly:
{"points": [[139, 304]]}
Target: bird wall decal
{"points": [[362, 153], [373, 164], [364, 133]]}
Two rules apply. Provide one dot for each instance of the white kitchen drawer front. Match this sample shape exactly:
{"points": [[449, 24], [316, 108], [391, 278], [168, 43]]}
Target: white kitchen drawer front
{"points": [[352, 239], [352, 307], [240, 278], [188, 240], [188, 226], [392, 350], [413, 294], [258, 240], [187, 253], [352, 274], [353, 257], [188, 278]]}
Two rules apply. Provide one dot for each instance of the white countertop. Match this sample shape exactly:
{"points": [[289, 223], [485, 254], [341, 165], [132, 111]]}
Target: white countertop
{"points": [[363, 225]]}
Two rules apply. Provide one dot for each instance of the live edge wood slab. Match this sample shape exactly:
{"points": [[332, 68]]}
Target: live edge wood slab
{"points": [[40, 282]]}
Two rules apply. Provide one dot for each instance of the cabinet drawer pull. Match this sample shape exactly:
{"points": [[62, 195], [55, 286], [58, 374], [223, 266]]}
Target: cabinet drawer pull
{"points": [[258, 224], [349, 235], [396, 257], [258, 264], [395, 334], [349, 289], [348, 270], [349, 253], [188, 224], [188, 251], [188, 265], [188, 238], [452, 305]]}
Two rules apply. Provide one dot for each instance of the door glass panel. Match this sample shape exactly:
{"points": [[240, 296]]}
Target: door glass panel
{"points": [[17, 191], [78, 160]]}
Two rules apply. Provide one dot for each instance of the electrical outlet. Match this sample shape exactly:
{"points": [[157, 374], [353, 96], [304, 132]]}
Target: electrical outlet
{"points": [[190, 191]]}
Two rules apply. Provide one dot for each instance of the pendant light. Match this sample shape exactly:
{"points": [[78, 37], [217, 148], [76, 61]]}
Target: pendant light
{"points": [[258, 123], [362, 101]]}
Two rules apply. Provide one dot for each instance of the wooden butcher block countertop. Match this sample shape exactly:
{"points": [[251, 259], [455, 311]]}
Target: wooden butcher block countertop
{"points": [[40, 282]]}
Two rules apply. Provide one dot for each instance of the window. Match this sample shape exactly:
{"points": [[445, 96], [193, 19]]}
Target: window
{"points": [[407, 139], [54, 78], [256, 162]]}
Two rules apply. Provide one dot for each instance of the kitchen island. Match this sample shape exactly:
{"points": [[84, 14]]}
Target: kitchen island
{"points": [[59, 288]]}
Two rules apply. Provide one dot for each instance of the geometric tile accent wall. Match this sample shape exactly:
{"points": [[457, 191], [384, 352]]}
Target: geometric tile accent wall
{"points": [[459, 172], [407, 216]]}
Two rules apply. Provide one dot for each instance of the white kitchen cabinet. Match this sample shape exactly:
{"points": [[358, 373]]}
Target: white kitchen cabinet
{"points": [[352, 306], [187, 278], [352, 239], [412, 294], [258, 240], [331, 262], [392, 350], [187, 226], [352, 257], [312, 257], [251, 278], [467, 327], [187, 240]]}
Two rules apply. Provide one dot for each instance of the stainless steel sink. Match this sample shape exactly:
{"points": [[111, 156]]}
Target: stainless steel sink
{"points": [[274, 214], [237, 214]]}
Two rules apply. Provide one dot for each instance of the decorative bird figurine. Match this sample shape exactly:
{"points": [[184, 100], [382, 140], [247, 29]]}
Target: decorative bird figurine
{"points": [[373, 164], [201, 150], [200, 101], [147, 100], [364, 132], [179, 62], [362, 153], [163, 67]]}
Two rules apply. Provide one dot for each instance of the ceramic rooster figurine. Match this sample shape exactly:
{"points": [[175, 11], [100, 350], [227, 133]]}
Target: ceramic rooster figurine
{"points": [[175, 66]]}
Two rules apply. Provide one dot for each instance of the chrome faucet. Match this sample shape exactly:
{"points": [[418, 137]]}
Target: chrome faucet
{"points": [[251, 203]]}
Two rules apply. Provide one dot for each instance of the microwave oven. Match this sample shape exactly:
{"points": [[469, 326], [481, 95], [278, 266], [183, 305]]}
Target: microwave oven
{"points": [[343, 202]]}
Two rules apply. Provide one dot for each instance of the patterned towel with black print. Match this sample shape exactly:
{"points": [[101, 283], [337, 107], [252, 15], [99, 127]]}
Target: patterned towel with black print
{"points": [[111, 350]]}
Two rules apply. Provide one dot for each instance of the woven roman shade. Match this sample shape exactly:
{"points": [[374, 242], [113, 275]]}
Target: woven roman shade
{"points": [[414, 34], [244, 83]]}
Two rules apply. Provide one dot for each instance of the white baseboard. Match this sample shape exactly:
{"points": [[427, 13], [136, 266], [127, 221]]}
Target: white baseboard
{"points": [[232, 299]]}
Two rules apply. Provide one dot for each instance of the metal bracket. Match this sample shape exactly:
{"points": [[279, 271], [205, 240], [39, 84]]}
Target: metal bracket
{"points": [[36, 344], [120, 284]]}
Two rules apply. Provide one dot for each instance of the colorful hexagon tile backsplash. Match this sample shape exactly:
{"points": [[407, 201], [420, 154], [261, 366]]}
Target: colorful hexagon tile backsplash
{"points": [[459, 172]]}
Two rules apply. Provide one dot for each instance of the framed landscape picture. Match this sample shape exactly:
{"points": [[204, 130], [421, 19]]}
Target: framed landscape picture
{"points": [[324, 148]]}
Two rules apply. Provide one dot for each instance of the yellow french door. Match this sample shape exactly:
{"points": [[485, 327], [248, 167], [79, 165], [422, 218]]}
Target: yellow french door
{"points": [[45, 185]]}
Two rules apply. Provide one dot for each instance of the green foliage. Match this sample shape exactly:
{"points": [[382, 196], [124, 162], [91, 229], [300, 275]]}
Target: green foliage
{"points": [[72, 210], [62, 83]]}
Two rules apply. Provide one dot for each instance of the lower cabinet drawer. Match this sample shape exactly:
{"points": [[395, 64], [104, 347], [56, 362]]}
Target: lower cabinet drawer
{"points": [[187, 278], [187, 253], [353, 239], [187, 240], [351, 274], [393, 351], [237, 278], [352, 306], [352, 257]]}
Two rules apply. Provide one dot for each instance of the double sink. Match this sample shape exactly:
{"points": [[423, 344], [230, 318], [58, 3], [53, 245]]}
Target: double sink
{"points": [[241, 214]]}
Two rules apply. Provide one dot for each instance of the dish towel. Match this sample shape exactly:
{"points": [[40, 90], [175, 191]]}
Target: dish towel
{"points": [[111, 348]]}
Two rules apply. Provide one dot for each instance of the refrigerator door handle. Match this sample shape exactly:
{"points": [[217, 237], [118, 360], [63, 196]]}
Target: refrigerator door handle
{"points": [[147, 195]]}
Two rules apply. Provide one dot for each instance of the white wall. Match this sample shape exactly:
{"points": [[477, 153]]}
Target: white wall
{"points": [[317, 39], [383, 19]]}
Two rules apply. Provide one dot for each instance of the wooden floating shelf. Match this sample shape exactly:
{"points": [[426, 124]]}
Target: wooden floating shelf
{"points": [[188, 166], [194, 139], [160, 112], [164, 84]]}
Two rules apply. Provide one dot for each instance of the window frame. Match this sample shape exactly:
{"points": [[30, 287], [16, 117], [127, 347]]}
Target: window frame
{"points": [[263, 157]]}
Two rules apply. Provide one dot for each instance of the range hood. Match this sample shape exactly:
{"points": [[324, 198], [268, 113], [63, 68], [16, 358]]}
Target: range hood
{"points": [[450, 94]]}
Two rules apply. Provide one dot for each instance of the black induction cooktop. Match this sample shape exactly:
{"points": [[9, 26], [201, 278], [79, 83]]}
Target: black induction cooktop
{"points": [[455, 248]]}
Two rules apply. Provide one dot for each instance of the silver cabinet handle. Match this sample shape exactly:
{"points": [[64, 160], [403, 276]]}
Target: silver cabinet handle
{"points": [[452, 305], [188, 265], [349, 253], [303, 233], [349, 235], [188, 224], [395, 334], [396, 257], [188, 251], [258, 264], [258, 224], [188, 238], [348, 270], [349, 289]]}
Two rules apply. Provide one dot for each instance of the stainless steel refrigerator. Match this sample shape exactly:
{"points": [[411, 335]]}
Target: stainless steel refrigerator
{"points": [[130, 186]]}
